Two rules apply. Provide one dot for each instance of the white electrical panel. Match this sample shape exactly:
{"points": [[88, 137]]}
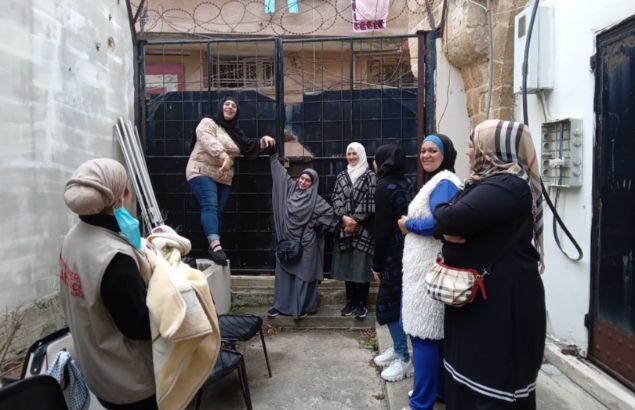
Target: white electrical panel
{"points": [[561, 153], [540, 58]]}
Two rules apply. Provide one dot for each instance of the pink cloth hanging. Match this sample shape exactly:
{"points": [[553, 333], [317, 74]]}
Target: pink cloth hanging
{"points": [[369, 15]]}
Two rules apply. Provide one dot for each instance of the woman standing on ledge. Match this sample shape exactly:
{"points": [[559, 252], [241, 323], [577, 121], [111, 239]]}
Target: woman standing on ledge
{"points": [[210, 169]]}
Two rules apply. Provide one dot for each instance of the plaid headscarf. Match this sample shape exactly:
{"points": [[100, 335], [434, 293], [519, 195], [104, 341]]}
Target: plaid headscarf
{"points": [[506, 146]]}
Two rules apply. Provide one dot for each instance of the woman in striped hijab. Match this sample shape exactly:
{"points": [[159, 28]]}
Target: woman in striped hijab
{"points": [[493, 348]]}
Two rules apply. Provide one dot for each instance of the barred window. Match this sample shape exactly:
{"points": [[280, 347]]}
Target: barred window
{"points": [[242, 72], [392, 72]]}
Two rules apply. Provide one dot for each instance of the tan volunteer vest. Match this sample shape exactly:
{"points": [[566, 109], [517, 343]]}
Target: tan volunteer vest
{"points": [[117, 369]]}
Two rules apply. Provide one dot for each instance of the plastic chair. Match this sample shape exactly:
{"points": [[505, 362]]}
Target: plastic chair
{"points": [[37, 392], [41, 354], [228, 361], [240, 328]]}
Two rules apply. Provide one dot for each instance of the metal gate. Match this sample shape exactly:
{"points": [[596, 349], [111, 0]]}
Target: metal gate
{"points": [[612, 331], [313, 95]]}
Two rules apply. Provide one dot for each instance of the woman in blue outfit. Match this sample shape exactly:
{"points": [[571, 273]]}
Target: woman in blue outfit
{"points": [[393, 193], [422, 316], [210, 169]]}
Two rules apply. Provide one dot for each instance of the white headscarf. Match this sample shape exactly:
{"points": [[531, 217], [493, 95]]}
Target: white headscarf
{"points": [[357, 170]]}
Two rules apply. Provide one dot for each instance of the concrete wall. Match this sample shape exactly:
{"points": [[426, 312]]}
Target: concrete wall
{"points": [[451, 109], [567, 284], [67, 74]]}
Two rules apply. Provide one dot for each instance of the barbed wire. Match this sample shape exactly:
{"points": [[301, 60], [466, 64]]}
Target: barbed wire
{"points": [[247, 17]]}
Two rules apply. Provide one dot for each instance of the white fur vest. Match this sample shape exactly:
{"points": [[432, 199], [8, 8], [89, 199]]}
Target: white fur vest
{"points": [[421, 315]]}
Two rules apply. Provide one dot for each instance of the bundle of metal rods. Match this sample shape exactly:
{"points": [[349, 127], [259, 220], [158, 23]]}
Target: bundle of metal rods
{"points": [[130, 144]]}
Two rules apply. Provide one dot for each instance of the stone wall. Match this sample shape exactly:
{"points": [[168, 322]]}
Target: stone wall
{"points": [[466, 44], [67, 71]]}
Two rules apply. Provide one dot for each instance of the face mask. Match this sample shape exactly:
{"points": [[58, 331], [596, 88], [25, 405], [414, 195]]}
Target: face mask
{"points": [[129, 227]]}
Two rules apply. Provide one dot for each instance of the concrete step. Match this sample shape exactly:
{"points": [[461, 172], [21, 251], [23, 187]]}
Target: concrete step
{"points": [[254, 291], [327, 317]]}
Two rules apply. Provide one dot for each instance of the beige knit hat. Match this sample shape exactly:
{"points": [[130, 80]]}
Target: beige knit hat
{"points": [[95, 185]]}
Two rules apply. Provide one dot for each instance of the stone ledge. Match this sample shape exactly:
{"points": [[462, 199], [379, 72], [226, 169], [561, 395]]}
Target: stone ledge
{"points": [[591, 379]]}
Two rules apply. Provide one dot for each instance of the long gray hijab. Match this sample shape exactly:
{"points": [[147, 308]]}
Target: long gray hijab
{"points": [[296, 213], [292, 206]]}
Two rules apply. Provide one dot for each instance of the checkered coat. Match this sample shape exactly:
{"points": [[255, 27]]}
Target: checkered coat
{"points": [[357, 201]]}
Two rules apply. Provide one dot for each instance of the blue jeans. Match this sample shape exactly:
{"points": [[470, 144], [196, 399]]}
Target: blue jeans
{"points": [[399, 339], [427, 358], [212, 198]]}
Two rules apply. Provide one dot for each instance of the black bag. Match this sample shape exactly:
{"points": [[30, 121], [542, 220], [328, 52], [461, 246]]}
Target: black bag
{"points": [[289, 251]]}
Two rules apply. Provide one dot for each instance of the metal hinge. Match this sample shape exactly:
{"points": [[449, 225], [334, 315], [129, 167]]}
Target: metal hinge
{"points": [[593, 63], [587, 321]]}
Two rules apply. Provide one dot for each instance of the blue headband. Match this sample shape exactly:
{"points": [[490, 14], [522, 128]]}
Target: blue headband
{"points": [[437, 141]]}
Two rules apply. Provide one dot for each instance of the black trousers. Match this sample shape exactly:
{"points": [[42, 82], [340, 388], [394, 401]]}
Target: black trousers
{"points": [[357, 293]]}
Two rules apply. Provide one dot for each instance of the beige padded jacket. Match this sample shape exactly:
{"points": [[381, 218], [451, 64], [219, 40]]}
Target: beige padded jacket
{"points": [[213, 145]]}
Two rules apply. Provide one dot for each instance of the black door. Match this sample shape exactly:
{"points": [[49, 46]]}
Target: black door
{"points": [[613, 284]]}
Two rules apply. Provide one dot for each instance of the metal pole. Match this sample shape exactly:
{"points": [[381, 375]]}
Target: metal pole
{"points": [[421, 98], [351, 83], [142, 167], [210, 71], [141, 77], [430, 123], [280, 117], [119, 131]]}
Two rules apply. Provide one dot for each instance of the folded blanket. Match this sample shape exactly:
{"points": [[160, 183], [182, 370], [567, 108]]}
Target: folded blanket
{"points": [[184, 325]]}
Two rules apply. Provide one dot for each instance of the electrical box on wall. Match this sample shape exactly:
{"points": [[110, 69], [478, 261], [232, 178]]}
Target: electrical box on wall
{"points": [[561, 153], [540, 58]]}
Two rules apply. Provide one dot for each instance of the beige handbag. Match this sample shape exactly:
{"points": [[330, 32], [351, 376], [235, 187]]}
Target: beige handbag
{"points": [[454, 286], [458, 286]]}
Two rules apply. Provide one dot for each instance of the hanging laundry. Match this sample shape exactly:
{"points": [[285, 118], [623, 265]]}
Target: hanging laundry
{"points": [[292, 6], [369, 15], [270, 6]]}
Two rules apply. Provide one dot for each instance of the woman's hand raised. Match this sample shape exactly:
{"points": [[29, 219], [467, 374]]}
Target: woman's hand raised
{"points": [[266, 142]]}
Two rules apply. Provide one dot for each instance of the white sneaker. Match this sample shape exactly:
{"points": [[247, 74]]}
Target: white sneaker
{"points": [[386, 358], [410, 393], [397, 370]]}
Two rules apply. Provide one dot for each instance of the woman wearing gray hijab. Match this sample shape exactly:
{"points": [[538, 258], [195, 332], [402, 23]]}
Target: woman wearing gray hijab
{"points": [[299, 213]]}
